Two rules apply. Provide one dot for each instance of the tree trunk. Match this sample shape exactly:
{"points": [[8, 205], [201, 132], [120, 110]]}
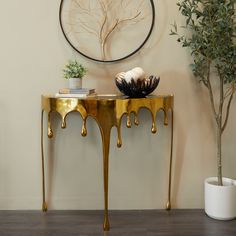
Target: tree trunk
{"points": [[219, 154]]}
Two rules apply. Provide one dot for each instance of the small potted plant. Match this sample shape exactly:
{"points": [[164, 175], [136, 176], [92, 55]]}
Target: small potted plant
{"points": [[210, 35], [74, 72]]}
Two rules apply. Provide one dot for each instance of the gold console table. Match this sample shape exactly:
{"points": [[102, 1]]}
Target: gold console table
{"points": [[108, 112]]}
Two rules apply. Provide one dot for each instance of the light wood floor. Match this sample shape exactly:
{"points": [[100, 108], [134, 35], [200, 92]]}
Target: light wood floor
{"points": [[123, 223]]}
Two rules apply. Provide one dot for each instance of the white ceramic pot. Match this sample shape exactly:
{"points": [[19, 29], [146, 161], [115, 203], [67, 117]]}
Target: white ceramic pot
{"points": [[75, 83], [220, 201]]}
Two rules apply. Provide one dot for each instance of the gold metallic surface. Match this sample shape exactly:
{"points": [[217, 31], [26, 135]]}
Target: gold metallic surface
{"points": [[108, 112], [44, 205], [168, 205]]}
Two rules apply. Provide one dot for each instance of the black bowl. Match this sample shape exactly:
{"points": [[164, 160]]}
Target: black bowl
{"points": [[139, 88]]}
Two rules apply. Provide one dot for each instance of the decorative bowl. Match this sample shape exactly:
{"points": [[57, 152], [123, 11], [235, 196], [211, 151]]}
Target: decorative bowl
{"points": [[139, 88]]}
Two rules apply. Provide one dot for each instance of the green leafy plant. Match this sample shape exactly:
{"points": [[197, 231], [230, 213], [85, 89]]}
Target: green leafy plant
{"points": [[210, 33], [74, 70]]}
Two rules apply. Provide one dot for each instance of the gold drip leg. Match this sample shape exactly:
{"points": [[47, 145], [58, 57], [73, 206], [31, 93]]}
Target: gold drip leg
{"points": [[168, 204], [106, 146], [44, 205]]}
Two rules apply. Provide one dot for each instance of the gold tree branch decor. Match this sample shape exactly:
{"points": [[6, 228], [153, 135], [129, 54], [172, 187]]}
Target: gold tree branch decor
{"points": [[102, 20]]}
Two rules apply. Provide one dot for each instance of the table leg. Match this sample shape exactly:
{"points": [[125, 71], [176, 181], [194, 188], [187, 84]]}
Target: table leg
{"points": [[44, 205], [168, 204], [106, 146]]}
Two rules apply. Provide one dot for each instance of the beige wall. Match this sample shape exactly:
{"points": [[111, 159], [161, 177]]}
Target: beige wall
{"points": [[32, 53]]}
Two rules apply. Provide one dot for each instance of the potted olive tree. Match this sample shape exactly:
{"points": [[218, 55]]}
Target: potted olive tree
{"points": [[74, 72], [210, 32]]}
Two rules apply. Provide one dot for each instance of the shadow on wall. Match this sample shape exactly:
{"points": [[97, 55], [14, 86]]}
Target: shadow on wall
{"points": [[5, 178], [160, 30], [190, 109], [53, 159], [50, 160]]}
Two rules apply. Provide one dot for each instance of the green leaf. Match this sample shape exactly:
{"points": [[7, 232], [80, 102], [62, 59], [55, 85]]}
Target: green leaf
{"points": [[73, 69]]}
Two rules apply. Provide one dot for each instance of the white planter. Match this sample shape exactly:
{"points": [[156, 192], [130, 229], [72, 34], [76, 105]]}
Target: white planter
{"points": [[220, 201], [75, 83]]}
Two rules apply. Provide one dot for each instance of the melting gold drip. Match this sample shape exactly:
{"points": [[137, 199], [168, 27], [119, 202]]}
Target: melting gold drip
{"points": [[128, 123], [168, 206], [63, 124], [154, 125], [166, 118], [50, 133], [154, 128], [136, 121], [84, 129], [119, 140]]}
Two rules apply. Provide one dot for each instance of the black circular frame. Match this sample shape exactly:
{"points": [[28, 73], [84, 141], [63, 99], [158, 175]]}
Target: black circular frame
{"points": [[116, 60]]}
